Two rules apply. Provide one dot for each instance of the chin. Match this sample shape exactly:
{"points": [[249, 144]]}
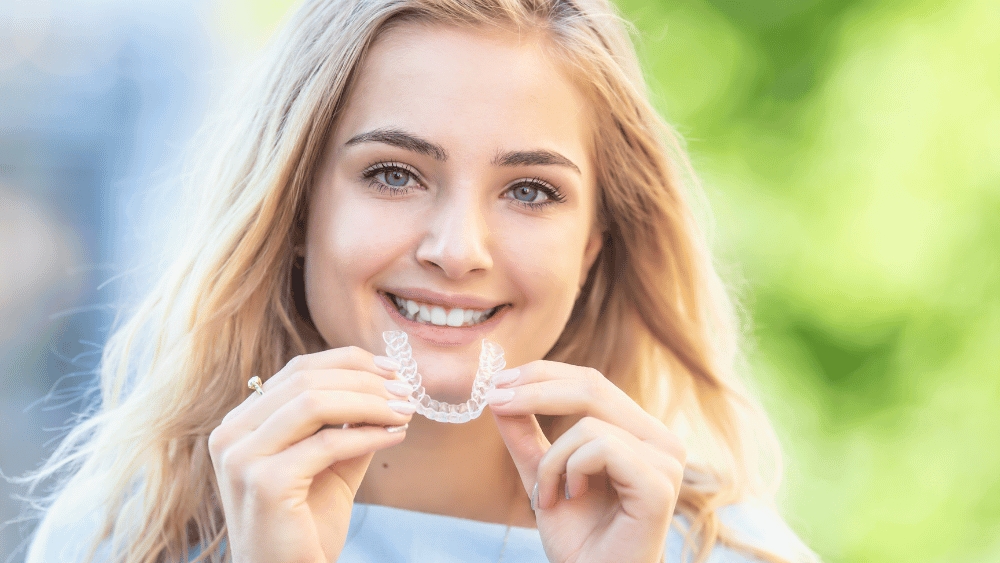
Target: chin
{"points": [[447, 377]]}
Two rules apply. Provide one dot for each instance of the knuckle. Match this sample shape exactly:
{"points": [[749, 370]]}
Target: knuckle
{"points": [[588, 425], [310, 402], [295, 363], [301, 379], [232, 465], [546, 466], [216, 441], [258, 479], [328, 438], [595, 382], [606, 443], [355, 352]]}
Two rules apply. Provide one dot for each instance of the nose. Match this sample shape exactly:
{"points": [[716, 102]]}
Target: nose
{"points": [[457, 239]]}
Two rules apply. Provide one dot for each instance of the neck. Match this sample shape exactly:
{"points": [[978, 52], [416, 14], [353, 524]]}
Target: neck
{"points": [[460, 470]]}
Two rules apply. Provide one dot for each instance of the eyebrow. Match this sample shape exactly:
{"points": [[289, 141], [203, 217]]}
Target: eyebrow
{"points": [[529, 158], [401, 139], [411, 142]]}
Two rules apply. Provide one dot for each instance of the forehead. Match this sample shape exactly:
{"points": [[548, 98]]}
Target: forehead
{"points": [[469, 88]]}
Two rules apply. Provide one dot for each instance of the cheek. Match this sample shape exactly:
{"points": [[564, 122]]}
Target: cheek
{"points": [[349, 243], [545, 265], [354, 238]]}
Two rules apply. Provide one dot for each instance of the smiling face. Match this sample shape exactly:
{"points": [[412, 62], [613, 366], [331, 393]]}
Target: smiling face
{"points": [[456, 201]]}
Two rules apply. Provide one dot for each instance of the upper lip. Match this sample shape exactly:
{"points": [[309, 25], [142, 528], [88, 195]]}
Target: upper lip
{"points": [[446, 300]]}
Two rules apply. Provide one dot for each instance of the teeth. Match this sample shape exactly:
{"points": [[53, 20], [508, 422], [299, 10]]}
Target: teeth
{"points": [[439, 316], [412, 308]]}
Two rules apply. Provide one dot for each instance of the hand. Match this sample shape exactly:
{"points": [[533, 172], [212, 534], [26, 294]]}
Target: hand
{"points": [[286, 468], [622, 466]]}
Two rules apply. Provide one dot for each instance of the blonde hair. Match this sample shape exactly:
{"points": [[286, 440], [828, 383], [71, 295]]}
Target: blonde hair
{"points": [[653, 315]]}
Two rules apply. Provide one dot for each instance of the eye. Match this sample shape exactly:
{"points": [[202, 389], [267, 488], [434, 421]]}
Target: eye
{"points": [[391, 177], [529, 194], [534, 193], [396, 177]]}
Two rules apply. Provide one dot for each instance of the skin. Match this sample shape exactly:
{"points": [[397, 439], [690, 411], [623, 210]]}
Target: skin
{"points": [[455, 222]]}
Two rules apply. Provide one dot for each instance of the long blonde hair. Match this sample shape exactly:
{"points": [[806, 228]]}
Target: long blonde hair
{"points": [[653, 315]]}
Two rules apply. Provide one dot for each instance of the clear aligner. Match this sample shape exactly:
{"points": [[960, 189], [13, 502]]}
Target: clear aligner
{"points": [[491, 360]]}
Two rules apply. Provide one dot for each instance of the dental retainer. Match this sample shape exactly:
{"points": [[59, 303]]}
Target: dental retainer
{"points": [[491, 360]]}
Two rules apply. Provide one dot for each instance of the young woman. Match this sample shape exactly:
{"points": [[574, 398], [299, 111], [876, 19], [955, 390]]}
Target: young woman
{"points": [[458, 170]]}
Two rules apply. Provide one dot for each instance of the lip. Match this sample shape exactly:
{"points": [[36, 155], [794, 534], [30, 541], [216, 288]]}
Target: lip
{"points": [[442, 335], [448, 301]]}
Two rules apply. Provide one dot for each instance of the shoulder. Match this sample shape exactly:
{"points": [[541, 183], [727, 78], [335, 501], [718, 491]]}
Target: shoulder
{"points": [[67, 540], [753, 523]]}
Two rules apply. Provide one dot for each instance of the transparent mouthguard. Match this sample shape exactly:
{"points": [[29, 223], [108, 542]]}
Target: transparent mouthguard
{"points": [[397, 347]]}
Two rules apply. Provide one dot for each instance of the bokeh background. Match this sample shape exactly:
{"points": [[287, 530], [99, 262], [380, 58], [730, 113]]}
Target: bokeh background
{"points": [[850, 150]]}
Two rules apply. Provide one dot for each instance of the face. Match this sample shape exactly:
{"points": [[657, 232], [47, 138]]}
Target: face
{"points": [[456, 202]]}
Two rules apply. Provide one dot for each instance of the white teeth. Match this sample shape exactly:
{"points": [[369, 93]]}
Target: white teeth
{"points": [[438, 316], [455, 317]]}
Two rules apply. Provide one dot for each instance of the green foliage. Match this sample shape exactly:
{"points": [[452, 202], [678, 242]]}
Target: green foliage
{"points": [[851, 151]]}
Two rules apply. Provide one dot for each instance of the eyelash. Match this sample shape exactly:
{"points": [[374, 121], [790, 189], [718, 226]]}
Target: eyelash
{"points": [[371, 171]]}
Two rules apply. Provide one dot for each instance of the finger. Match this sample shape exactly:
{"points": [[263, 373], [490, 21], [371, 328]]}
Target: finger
{"points": [[526, 443], [642, 491], [347, 357], [311, 410], [558, 389], [333, 445], [552, 466], [259, 408]]}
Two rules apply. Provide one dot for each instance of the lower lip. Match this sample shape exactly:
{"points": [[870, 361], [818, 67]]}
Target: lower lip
{"points": [[443, 335]]}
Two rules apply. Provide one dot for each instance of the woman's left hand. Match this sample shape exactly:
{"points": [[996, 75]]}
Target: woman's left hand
{"points": [[620, 466]]}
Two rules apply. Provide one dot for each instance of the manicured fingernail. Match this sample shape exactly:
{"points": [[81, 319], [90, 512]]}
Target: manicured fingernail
{"points": [[567, 490], [387, 363], [395, 429], [498, 396], [506, 377], [534, 498], [398, 388], [402, 407]]}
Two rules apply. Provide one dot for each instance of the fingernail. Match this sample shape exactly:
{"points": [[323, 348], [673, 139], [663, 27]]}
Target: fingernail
{"points": [[567, 489], [398, 388], [395, 429], [506, 377], [498, 396], [534, 498], [402, 407], [387, 363]]}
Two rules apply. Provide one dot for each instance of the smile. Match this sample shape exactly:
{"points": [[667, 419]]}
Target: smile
{"points": [[437, 315]]}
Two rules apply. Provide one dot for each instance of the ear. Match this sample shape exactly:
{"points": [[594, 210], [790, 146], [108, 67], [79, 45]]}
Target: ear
{"points": [[594, 244]]}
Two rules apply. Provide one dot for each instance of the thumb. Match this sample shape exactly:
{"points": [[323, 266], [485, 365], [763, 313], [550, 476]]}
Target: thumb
{"points": [[526, 443]]}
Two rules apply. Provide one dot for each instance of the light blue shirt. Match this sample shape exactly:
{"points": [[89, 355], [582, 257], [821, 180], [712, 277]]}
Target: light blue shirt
{"points": [[392, 535], [379, 534]]}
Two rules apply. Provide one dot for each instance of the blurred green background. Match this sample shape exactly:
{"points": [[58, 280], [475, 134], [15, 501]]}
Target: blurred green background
{"points": [[851, 155]]}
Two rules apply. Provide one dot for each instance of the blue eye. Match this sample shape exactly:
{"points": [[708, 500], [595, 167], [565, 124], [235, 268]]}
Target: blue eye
{"points": [[529, 194], [391, 177], [534, 193], [396, 177]]}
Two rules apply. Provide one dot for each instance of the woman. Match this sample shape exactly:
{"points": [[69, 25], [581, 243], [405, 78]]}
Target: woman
{"points": [[458, 170]]}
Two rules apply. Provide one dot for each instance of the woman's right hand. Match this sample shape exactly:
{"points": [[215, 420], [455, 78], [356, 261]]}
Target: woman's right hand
{"points": [[288, 471]]}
